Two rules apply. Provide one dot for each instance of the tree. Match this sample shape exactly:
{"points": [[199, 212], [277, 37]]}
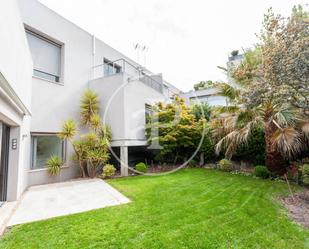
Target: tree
{"points": [[201, 111], [91, 149], [180, 133], [203, 85], [281, 70], [269, 95]]}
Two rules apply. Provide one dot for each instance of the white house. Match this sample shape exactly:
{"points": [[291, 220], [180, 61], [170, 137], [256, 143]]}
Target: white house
{"points": [[210, 96], [46, 63]]}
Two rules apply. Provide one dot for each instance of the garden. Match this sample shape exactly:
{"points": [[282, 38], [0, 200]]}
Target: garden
{"points": [[192, 208], [243, 173]]}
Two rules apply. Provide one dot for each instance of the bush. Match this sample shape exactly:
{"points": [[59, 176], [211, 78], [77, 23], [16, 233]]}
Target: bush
{"points": [[225, 165], [54, 164], [141, 167], [262, 172], [108, 171], [254, 149], [305, 174]]}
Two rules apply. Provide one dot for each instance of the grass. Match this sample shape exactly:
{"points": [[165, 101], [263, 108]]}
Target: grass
{"points": [[194, 208]]}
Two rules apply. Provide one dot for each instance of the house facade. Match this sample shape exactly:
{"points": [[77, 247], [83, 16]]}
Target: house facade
{"points": [[46, 64], [210, 96]]}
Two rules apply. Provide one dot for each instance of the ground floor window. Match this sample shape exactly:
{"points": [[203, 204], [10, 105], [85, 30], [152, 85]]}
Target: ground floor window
{"points": [[43, 147]]}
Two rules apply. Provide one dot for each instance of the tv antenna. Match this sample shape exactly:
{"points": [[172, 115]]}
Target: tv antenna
{"points": [[141, 50]]}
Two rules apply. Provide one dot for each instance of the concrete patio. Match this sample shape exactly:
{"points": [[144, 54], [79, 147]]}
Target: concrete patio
{"points": [[58, 199]]}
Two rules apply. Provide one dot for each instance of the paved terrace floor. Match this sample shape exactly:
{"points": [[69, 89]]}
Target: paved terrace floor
{"points": [[58, 199]]}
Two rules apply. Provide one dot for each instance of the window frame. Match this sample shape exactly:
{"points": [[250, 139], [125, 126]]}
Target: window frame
{"points": [[148, 112], [33, 149], [47, 38], [115, 66]]}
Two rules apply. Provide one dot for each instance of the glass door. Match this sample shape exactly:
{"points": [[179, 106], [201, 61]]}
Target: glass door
{"points": [[4, 159]]}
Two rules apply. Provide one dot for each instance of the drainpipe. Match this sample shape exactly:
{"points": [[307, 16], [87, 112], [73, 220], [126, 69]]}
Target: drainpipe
{"points": [[93, 57]]}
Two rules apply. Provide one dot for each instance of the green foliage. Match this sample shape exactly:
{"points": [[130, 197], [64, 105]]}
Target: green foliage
{"points": [[108, 171], [69, 130], [234, 52], [182, 131], [305, 174], [177, 131], [192, 194], [228, 91], [207, 148], [225, 165], [201, 111], [272, 81], [262, 172], [203, 85], [54, 164], [141, 167], [246, 71], [89, 106], [254, 150], [91, 149]]}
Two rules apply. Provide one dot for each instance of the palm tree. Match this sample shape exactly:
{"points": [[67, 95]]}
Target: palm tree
{"points": [[286, 133]]}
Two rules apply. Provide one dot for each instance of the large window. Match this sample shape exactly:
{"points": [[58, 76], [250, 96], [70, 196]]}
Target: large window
{"points": [[46, 56], [45, 146], [111, 68]]}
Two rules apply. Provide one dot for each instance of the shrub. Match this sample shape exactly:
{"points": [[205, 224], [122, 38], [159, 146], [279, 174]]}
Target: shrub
{"points": [[141, 167], [262, 172], [305, 174], [225, 165], [108, 171], [254, 149], [193, 163], [54, 164]]}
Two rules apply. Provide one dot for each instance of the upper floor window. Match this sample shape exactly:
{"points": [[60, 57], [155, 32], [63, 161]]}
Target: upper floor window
{"points": [[46, 56], [111, 68]]}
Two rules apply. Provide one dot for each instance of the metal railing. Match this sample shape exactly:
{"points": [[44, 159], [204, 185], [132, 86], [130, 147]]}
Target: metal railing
{"points": [[121, 66]]}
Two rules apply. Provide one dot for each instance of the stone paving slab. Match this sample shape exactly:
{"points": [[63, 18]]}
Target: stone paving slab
{"points": [[58, 199]]}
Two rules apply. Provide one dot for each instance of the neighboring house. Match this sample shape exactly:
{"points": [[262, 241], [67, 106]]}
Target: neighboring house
{"points": [[209, 96], [46, 64], [233, 62]]}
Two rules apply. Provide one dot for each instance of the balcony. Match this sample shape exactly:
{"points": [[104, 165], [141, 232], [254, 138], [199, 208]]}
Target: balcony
{"points": [[135, 73]]}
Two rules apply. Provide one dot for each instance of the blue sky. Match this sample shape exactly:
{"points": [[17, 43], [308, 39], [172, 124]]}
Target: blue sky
{"points": [[187, 40]]}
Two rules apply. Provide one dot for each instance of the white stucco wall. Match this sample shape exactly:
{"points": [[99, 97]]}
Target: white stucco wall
{"points": [[123, 107], [137, 95], [52, 103], [15, 93], [15, 60]]}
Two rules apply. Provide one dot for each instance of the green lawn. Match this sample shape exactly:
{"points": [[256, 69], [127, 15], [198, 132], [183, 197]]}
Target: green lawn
{"points": [[194, 208]]}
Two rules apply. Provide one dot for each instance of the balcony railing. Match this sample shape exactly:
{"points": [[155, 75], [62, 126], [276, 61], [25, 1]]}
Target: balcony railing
{"points": [[121, 66]]}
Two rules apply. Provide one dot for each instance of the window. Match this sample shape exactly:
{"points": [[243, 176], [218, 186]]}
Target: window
{"points": [[148, 113], [46, 56], [111, 68], [45, 146]]}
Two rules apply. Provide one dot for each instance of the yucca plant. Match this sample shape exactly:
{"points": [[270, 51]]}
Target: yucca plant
{"points": [[91, 149], [54, 164], [89, 107]]}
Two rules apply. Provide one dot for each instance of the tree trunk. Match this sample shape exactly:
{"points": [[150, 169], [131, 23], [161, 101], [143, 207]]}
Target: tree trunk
{"points": [[84, 169], [202, 159], [275, 162]]}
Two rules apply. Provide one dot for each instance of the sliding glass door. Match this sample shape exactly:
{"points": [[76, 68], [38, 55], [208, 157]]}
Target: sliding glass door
{"points": [[4, 159]]}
